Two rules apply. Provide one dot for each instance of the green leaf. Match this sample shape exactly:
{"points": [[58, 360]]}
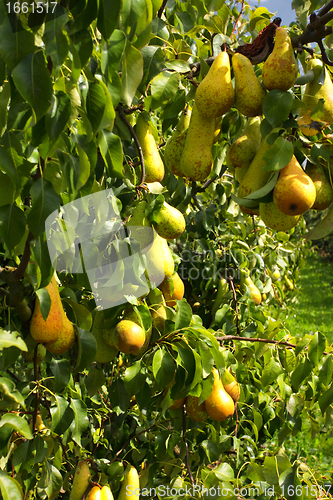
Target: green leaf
{"points": [[62, 415], [178, 65], [316, 348], [94, 380], [112, 153], [245, 202], [50, 481], [288, 482], [11, 159], [41, 256], [163, 367], [10, 339], [87, 350], [44, 302], [301, 372], [80, 422], [44, 201], [307, 78], [132, 73], [112, 53], [270, 372], [10, 393], [54, 38], [183, 315], [277, 106], [10, 488], [224, 472], [260, 193], [279, 155], [82, 314], [17, 423], [58, 115], [4, 99], [326, 399], [108, 16], [164, 86], [95, 101], [61, 370], [32, 80], [12, 225], [131, 11], [16, 43], [84, 168]]}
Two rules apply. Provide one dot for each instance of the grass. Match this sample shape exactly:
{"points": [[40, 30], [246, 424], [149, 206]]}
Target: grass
{"points": [[314, 310]]}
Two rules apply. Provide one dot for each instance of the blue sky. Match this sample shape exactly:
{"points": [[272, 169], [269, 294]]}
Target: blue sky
{"points": [[281, 7]]}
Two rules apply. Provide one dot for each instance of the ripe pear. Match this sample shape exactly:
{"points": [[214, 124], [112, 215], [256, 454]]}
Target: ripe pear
{"points": [[280, 68], [170, 222], [197, 160], [81, 480], [154, 166], [130, 487], [173, 289], [294, 191], [313, 92], [244, 149], [106, 493], [49, 330], [275, 219], [230, 384], [175, 145], [249, 93], [215, 94], [324, 191], [30, 353], [289, 283], [195, 411], [94, 493], [132, 315], [128, 337], [104, 353], [219, 405], [246, 281], [159, 260], [255, 178]]}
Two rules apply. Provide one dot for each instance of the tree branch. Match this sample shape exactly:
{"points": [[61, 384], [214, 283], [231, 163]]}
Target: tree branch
{"points": [[19, 272], [161, 9], [265, 341]]}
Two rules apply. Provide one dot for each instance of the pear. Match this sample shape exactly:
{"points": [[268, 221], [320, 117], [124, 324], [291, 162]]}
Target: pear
{"points": [[195, 411], [313, 92], [81, 480], [222, 290], [173, 289], [255, 178], [128, 337], [294, 191], [132, 315], [280, 68], [170, 222], [139, 225], [249, 93], [158, 311], [94, 493], [219, 405], [30, 353], [175, 145], [215, 94], [246, 281], [106, 493], [49, 330], [104, 353], [154, 166], [159, 260], [324, 191], [177, 404], [197, 160], [244, 149], [289, 283], [230, 384], [275, 219], [130, 487]]}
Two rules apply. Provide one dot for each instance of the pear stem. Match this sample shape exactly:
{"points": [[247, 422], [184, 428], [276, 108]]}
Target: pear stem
{"points": [[187, 460]]}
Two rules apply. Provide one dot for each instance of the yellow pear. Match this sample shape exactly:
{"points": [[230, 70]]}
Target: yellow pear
{"points": [[81, 480], [175, 145], [154, 166], [219, 405], [246, 281], [324, 191], [173, 289], [249, 93], [313, 92], [195, 411], [132, 315], [255, 178], [230, 384], [130, 487], [128, 337], [170, 222], [215, 94], [197, 160], [245, 147], [104, 353], [159, 260], [289, 283], [106, 493], [280, 68], [294, 192], [49, 330], [275, 219], [94, 493]]}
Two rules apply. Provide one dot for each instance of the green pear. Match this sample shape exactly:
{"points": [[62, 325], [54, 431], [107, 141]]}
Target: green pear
{"points": [[280, 68], [197, 160], [249, 93], [215, 94], [255, 177], [130, 487], [105, 352], [175, 145], [314, 91], [30, 353], [159, 260], [275, 219], [245, 147], [294, 192], [138, 224], [324, 191], [170, 222], [246, 282], [81, 480], [154, 166]]}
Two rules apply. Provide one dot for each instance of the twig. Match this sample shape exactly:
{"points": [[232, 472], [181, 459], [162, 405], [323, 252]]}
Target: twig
{"points": [[122, 116], [19, 272], [240, 13], [34, 418], [187, 460], [235, 299], [206, 184], [325, 9], [161, 9], [276, 295], [323, 54], [194, 191]]}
